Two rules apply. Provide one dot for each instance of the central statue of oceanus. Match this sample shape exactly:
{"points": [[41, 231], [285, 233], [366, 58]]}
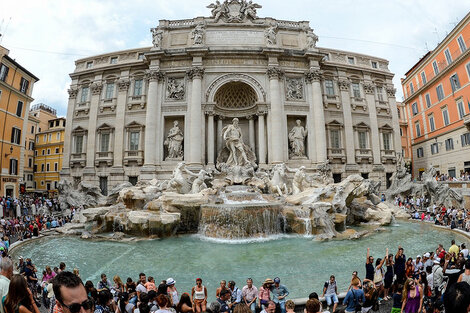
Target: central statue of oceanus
{"points": [[236, 159]]}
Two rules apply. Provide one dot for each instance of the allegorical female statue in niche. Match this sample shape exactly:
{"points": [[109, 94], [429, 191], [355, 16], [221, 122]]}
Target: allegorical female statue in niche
{"points": [[174, 142], [297, 140]]}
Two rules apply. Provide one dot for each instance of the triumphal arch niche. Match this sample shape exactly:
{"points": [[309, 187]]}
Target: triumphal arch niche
{"points": [[231, 88]]}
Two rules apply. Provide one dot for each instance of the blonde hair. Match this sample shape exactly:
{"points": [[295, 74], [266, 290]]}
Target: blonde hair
{"points": [[76, 272], [290, 305], [406, 288], [118, 280], [241, 308], [355, 281]]}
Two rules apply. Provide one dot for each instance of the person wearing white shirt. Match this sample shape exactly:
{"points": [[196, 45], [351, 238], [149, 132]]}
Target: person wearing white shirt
{"points": [[5, 275], [464, 250]]}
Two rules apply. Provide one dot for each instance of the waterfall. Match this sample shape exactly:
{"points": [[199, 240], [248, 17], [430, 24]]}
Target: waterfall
{"points": [[303, 214]]}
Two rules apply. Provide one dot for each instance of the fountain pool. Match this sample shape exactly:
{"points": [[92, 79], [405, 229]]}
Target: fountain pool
{"points": [[302, 264]]}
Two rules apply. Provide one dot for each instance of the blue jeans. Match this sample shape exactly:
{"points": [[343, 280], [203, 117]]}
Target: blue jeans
{"points": [[331, 299], [282, 305], [253, 307]]}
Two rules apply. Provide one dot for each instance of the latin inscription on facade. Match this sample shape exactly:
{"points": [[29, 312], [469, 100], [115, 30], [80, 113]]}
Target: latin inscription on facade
{"points": [[234, 37]]}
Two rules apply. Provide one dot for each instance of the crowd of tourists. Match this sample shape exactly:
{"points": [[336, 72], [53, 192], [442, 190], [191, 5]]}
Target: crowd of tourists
{"points": [[436, 281], [464, 176], [420, 209], [28, 205]]}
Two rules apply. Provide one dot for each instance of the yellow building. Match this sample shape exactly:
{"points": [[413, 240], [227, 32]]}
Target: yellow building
{"points": [[38, 120], [16, 87], [49, 150]]}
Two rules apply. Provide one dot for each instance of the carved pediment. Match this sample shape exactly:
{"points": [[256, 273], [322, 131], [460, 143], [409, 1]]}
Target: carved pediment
{"points": [[234, 11]]}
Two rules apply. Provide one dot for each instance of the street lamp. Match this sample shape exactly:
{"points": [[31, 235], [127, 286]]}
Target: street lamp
{"points": [[11, 151]]}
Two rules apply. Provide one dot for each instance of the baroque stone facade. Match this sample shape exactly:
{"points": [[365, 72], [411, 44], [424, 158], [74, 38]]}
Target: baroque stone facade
{"points": [[296, 103]]}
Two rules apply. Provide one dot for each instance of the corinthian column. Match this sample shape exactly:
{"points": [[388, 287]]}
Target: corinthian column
{"points": [[316, 111], [96, 89], [123, 86], [251, 132], [68, 132], [261, 139], [344, 85], [151, 117], [195, 116], [210, 138], [277, 134]]}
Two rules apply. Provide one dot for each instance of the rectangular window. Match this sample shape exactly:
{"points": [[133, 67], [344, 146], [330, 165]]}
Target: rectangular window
{"points": [[428, 100], [454, 82], [45, 138], [84, 95], [449, 144], [109, 90], [42, 167], [386, 139], [134, 141], [350, 60], [104, 142], [412, 89], [89, 64], [465, 139], [30, 162], [462, 45], [423, 77], [445, 116], [461, 108], [448, 56], [3, 72], [24, 84], [432, 126], [374, 64], [113, 60], [57, 136], [362, 140], [435, 67], [418, 129], [104, 185], [78, 144], [56, 150], [140, 56], [15, 135], [43, 152], [329, 87], [335, 139], [356, 90], [434, 148], [468, 69], [133, 180], [48, 167], [32, 129], [380, 94], [48, 151], [13, 167], [19, 108], [56, 166], [138, 87], [440, 92], [414, 108], [50, 137]]}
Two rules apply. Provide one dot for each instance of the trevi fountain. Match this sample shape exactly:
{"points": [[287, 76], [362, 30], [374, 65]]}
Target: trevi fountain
{"points": [[238, 219]]}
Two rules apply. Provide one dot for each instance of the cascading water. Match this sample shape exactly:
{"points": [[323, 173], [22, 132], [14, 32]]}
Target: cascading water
{"points": [[303, 214], [243, 214]]}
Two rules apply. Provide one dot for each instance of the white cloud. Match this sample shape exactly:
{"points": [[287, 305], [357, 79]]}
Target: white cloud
{"points": [[75, 29]]}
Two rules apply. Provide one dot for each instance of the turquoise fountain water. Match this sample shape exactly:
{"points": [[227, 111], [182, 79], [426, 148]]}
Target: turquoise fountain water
{"points": [[302, 264]]}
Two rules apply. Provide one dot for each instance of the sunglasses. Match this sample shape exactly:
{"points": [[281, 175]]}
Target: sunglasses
{"points": [[75, 307]]}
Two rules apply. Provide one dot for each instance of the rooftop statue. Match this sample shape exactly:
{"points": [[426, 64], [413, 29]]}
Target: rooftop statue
{"points": [[234, 11]]}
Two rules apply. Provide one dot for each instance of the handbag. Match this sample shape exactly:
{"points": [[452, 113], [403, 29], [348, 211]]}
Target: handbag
{"points": [[358, 307]]}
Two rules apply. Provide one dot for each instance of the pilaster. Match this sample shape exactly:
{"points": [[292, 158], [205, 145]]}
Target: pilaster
{"points": [[317, 112], [277, 143], [344, 85], [195, 116]]}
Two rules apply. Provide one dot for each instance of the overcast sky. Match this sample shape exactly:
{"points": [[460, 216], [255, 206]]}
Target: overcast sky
{"points": [[47, 36]]}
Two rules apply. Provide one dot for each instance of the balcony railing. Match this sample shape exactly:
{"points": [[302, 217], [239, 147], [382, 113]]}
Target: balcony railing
{"points": [[388, 155], [104, 157], [466, 121], [134, 156], [363, 155], [337, 154], [77, 159]]}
